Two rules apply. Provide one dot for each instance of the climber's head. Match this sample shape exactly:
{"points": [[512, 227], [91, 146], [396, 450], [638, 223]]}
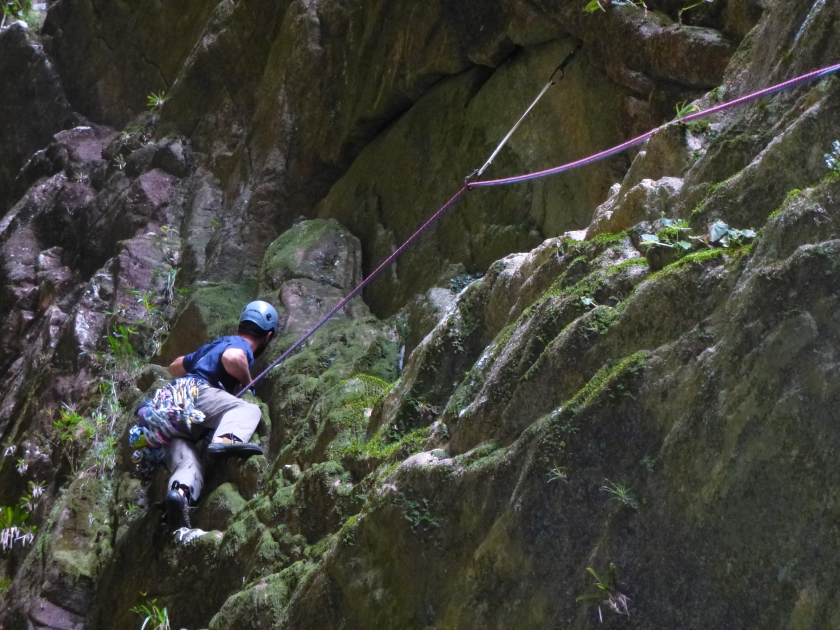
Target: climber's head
{"points": [[258, 321]]}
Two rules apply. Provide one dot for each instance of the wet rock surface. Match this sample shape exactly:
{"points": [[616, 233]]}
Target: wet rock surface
{"points": [[505, 407]]}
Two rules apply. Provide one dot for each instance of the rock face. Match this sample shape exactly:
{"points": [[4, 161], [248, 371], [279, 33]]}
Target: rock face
{"points": [[282, 97], [505, 407], [32, 105]]}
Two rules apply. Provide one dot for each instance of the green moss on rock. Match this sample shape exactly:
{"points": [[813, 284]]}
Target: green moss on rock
{"points": [[318, 250], [605, 377], [218, 508]]}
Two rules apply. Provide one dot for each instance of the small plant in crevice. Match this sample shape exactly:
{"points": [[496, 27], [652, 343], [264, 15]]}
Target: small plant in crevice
{"points": [[558, 473], [348, 531], [688, 8], [36, 489], [588, 302], [832, 160], [600, 323], [129, 131], [621, 493], [717, 93], [169, 291], [147, 300], [596, 5], [130, 510], [607, 592], [152, 614], [419, 515], [153, 317], [28, 502], [724, 236], [72, 434], [673, 236], [13, 527], [86, 441], [153, 303], [121, 362], [685, 108], [120, 162], [103, 452], [156, 100]]}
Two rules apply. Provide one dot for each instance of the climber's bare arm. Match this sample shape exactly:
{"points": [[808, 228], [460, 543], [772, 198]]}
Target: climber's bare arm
{"points": [[177, 368], [236, 364]]}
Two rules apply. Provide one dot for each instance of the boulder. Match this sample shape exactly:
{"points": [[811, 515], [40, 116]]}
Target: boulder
{"points": [[647, 201]]}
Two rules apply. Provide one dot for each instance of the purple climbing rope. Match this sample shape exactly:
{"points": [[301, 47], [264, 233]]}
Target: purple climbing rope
{"points": [[356, 291], [811, 76]]}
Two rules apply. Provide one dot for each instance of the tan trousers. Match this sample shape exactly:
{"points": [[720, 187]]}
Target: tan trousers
{"points": [[225, 414]]}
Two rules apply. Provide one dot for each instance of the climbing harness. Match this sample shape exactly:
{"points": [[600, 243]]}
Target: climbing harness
{"points": [[170, 413], [469, 185], [562, 70]]}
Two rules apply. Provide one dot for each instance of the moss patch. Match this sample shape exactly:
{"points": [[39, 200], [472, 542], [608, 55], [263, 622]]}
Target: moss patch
{"points": [[340, 416], [380, 449], [590, 285], [342, 350], [695, 258], [606, 376], [300, 253], [791, 197]]}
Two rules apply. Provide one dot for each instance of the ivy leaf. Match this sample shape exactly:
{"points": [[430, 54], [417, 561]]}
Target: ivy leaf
{"points": [[650, 238], [685, 245]]}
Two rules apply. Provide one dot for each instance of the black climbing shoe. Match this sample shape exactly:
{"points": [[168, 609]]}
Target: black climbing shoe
{"points": [[233, 446], [178, 507]]}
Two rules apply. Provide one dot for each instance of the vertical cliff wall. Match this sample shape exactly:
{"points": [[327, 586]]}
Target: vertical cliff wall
{"points": [[509, 404]]}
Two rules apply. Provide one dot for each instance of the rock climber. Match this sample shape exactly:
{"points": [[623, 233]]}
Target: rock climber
{"points": [[222, 369]]}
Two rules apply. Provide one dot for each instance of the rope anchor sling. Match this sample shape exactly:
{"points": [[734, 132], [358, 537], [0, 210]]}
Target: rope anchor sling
{"points": [[477, 173]]}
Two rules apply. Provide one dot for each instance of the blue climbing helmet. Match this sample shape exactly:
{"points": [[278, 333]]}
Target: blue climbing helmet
{"points": [[262, 314]]}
